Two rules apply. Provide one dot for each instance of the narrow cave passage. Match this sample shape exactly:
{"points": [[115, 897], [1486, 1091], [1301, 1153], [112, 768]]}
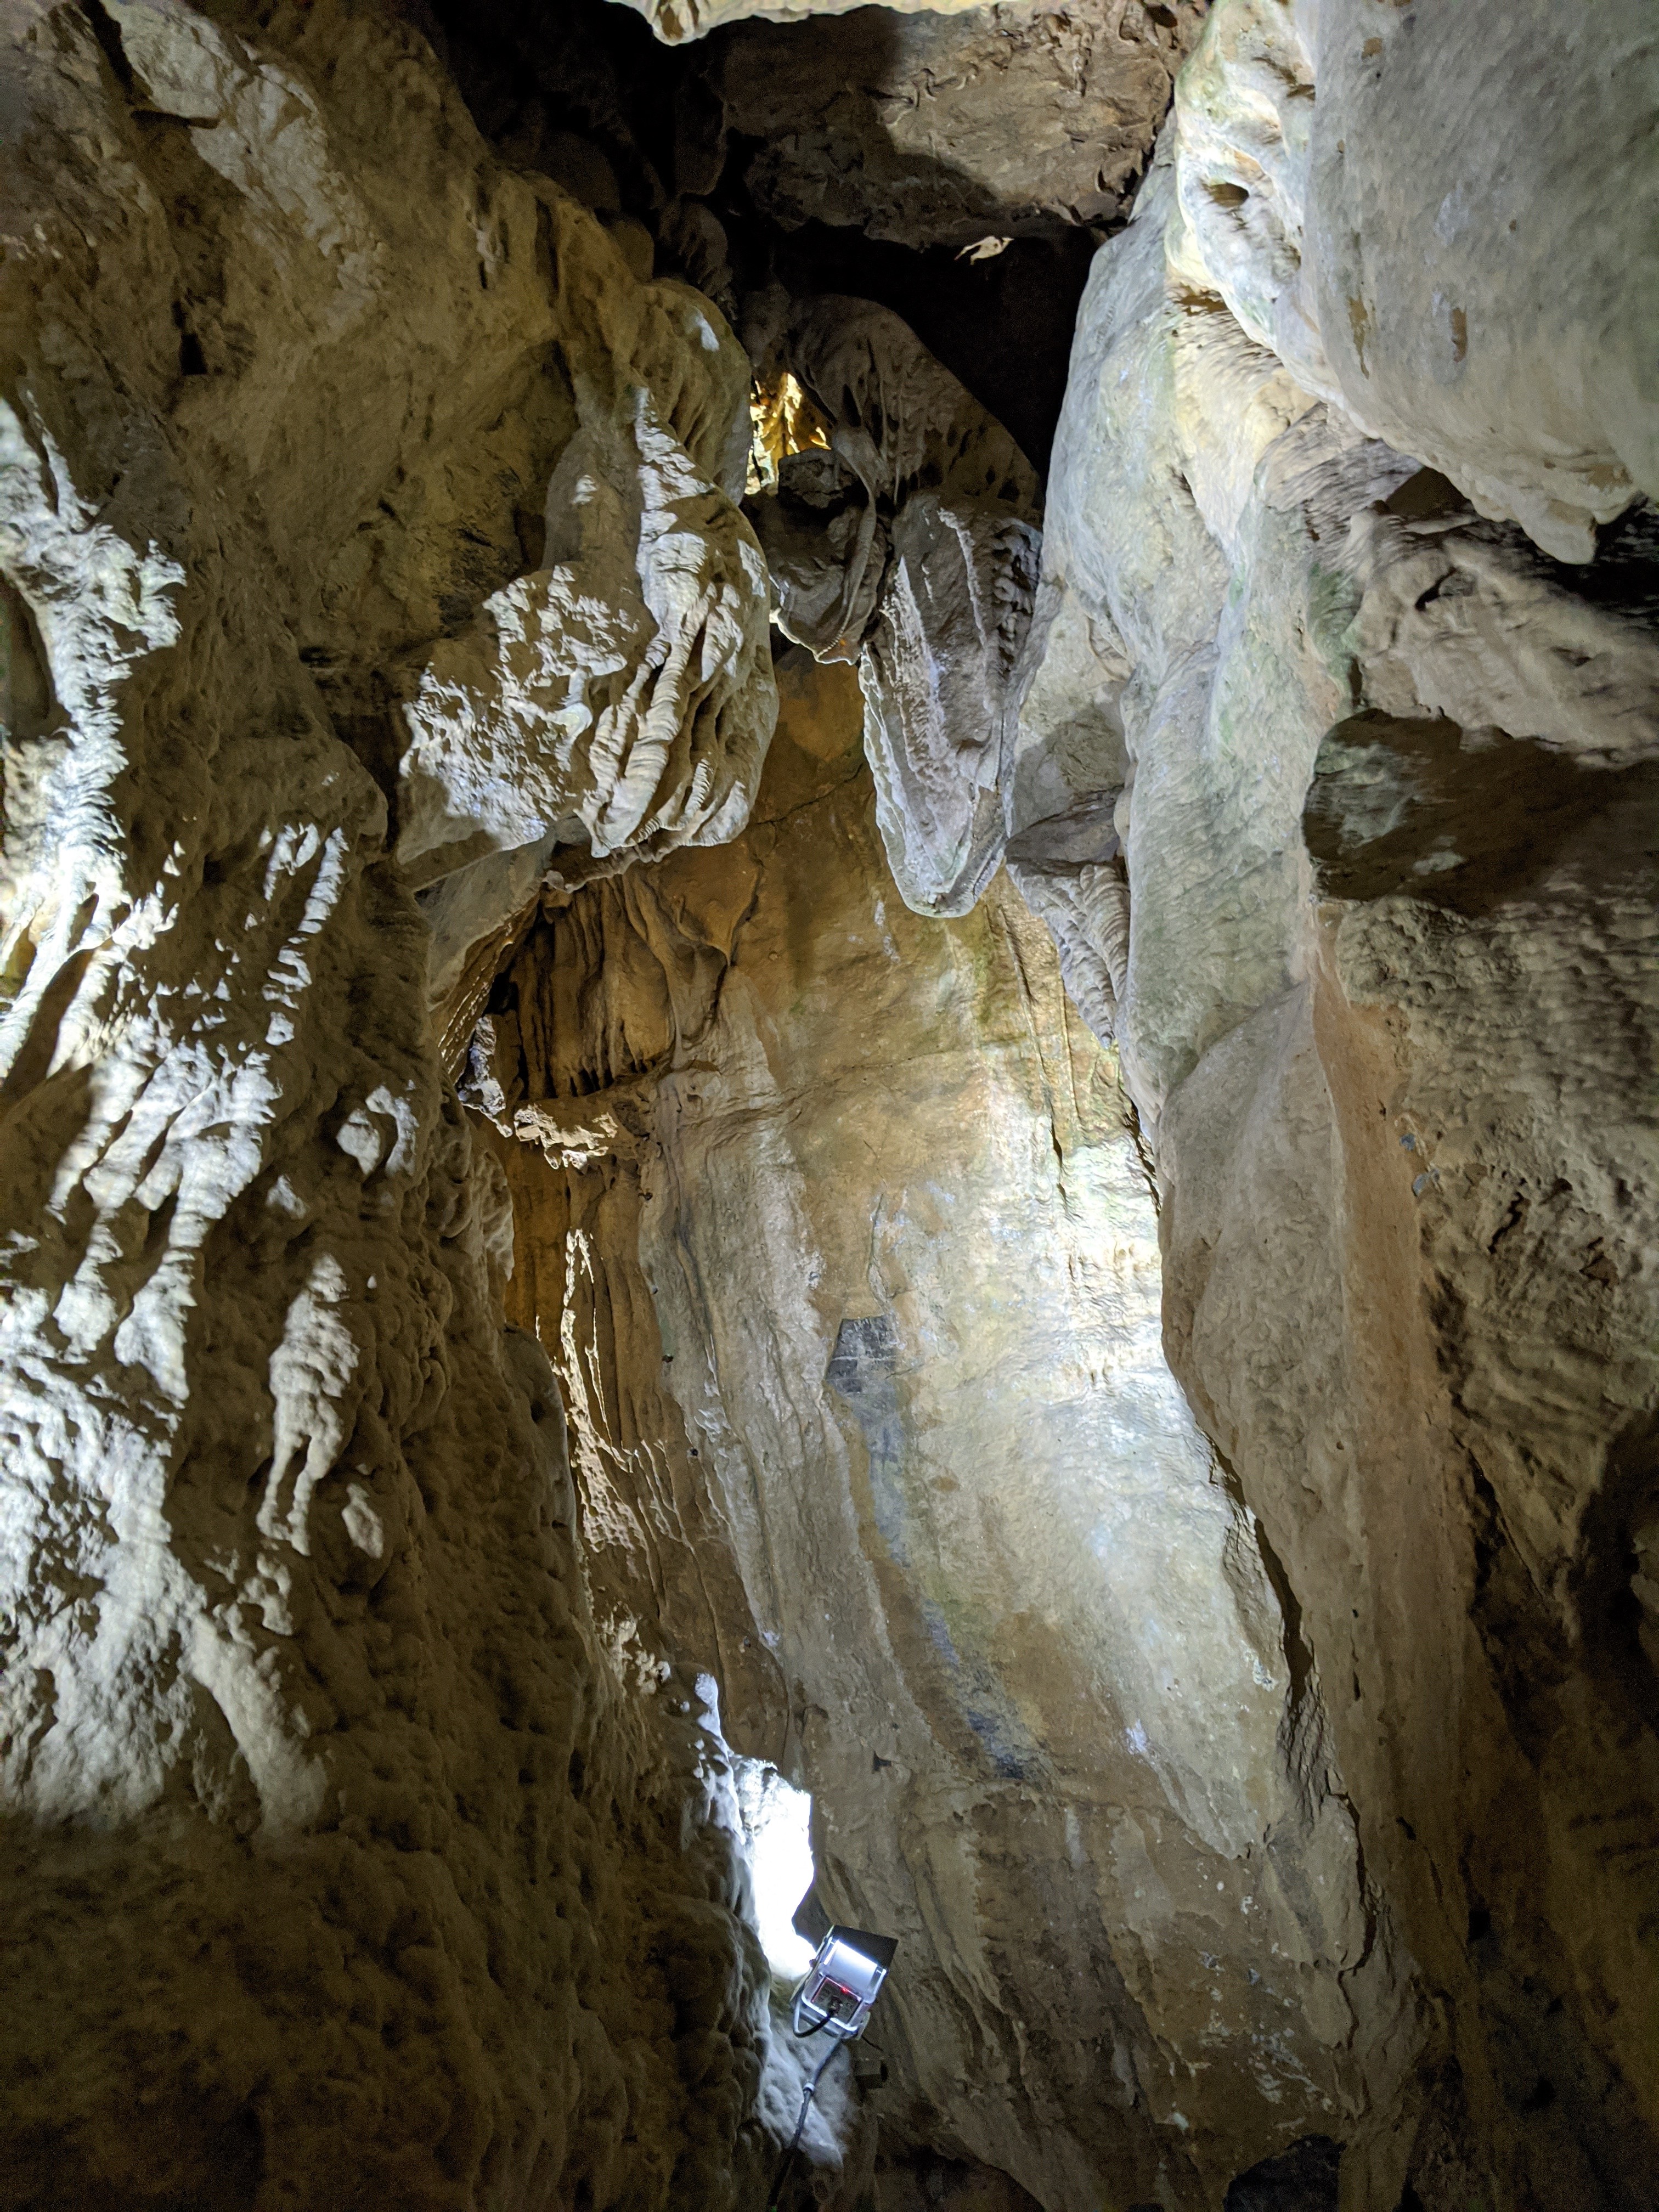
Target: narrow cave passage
{"points": [[826, 1102]]}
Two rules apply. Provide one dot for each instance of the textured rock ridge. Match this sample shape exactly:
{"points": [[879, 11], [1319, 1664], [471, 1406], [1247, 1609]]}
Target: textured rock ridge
{"points": [[1065, 1253], [948, 130], [1400, 288], [908, 544], [334, 1843]]}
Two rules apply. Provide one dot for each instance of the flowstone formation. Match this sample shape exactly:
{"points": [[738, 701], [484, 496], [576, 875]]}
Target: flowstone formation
{"points": [[851, 1261], [364, 519], [908, 542]]}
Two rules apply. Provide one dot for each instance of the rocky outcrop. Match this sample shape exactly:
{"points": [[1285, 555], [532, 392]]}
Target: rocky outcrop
{"points": [[334, 1843], [1362, 762], [615, 696], [948, 128], [1404, 288], [676, 20]]}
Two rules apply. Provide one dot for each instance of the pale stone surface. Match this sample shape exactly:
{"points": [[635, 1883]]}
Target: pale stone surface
{"points": [[908, 546], [1379, 960], [368, 530], [901, 1254], [334, 1842], [620, 693], [1480, 298]]}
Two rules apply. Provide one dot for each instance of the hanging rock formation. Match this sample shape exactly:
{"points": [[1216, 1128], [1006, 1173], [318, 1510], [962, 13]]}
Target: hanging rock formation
{"points": [[675, 20], [909, 545], [333, 1842]]}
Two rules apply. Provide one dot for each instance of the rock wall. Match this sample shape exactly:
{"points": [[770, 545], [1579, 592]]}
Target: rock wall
{"points": [[868, 1196], [362, 520], [1247, 1773], [948, 128], [1368, 910], [678, 19]]}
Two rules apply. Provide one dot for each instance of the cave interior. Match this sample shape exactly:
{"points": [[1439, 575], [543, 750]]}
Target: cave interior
{"points": [[828, 1098]]}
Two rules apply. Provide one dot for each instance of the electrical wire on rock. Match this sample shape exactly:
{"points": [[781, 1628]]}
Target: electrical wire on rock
{"points": [[777, 2191]]}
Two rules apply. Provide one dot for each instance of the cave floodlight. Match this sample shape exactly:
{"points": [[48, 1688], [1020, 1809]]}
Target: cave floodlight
{"points": [[842, 1984], [835, 2001]]}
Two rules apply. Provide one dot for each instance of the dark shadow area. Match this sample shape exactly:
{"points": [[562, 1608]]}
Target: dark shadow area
{"points": [[1003, 327], [1420, 808], [555, 90], [923, 2183], [1303, 2179], [1615, 1590], [216, 2165]]}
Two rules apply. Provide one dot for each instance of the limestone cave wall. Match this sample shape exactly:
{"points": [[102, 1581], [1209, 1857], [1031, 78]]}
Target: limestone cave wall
{"points": [[853, 1267], [342, 1861], [1349, 596]]}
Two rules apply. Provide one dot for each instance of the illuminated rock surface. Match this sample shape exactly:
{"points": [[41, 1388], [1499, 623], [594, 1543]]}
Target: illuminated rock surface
{"points": [[908, 544], [1373, 926], [334, 1843], [873, 1187]]}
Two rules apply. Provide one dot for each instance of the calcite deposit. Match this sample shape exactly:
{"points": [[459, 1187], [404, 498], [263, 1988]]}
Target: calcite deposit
{"points": [[860, 1198], [908, 544], [334, 1843]]}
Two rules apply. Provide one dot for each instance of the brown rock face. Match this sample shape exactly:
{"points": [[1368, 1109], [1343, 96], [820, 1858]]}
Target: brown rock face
{"points": [[856, 1225], [945, 130], [341, 1862]]}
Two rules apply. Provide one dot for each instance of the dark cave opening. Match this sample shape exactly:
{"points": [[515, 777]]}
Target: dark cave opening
{"points": [[593, 72]]}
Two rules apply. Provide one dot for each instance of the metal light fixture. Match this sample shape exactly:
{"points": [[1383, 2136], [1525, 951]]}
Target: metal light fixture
{"points": [[842, 1984], [835, 1999]]}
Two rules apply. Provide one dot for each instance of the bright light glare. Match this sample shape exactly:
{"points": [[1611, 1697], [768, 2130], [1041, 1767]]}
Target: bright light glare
{"points": [[777, 1822]]}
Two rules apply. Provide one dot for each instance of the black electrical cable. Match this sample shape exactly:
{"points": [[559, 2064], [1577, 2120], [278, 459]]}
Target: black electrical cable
{"points": [[811, 2091]]}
